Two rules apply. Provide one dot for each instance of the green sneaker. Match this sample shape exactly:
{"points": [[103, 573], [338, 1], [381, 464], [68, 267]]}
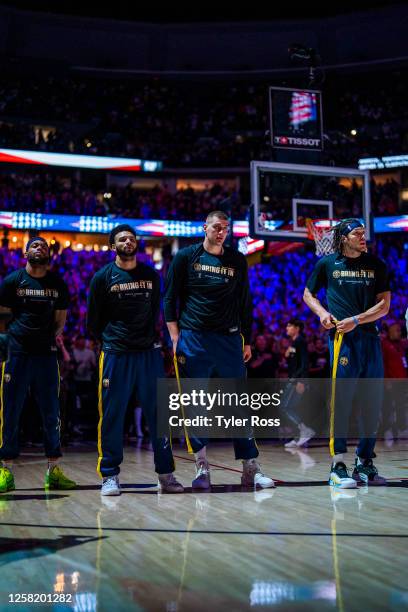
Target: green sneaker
{"points": [[6, 480], [56, 479]]}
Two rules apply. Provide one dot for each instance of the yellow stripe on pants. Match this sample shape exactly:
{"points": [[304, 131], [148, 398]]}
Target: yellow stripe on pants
{"points": [[3, 367], [176, 370], [100, 454], [338, 339]]}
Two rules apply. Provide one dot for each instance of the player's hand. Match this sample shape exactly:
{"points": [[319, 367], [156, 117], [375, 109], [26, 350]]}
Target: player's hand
{"points": [[346, 325], [327, 320], [247, 352], [175, 340], [300, 388], [59, 341]]}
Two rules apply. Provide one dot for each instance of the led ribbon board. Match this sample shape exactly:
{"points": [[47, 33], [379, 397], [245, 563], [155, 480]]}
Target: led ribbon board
{"points": [[150, 227], [66, 160]]}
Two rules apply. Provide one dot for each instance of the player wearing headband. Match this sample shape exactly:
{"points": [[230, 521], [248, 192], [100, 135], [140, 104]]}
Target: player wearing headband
{"points": [[358, 294], [37, 301]]}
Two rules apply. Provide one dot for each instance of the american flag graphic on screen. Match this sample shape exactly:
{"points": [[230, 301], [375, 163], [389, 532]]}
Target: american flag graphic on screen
{"points": [[303, 108]]}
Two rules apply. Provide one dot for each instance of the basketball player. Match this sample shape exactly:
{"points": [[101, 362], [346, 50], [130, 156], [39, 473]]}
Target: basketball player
{"points": [[298, 367], [123, 308], [357, 289], [208, 310], [37, 301]]}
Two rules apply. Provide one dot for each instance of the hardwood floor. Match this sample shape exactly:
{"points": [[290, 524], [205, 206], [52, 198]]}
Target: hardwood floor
{"points": [[301, 546]]}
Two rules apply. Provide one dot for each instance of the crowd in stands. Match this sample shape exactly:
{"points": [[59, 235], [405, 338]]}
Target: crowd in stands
{"points": [[54, 194], [193, 122], [276, 286]]}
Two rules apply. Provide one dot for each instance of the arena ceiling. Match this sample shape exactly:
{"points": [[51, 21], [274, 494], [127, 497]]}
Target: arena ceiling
{"points": [[185, 12]]}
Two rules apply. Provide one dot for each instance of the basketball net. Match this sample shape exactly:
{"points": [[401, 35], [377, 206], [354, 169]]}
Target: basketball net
{"points": [[320, 231]]}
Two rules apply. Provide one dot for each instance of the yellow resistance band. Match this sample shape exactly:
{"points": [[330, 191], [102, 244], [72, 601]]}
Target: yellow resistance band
{"points": [[338, 339], [176, 370]]}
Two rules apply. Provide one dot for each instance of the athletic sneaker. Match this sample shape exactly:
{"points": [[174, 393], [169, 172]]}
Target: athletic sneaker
{"points": [[367, 473], [253, 477], [202, 479], [56, 479], [339, 477], [305, 434], [6, 480], [110, 486], [169, 484]]}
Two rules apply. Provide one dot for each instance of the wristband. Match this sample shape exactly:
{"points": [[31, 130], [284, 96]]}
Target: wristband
{"points": [[355, 320]]}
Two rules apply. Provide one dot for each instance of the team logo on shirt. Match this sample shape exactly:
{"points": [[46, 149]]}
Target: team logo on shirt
{"points": [[105, 383], [7, 378], [37, 293], [181, 359], [366, 274], [343, 361], [142, 284], [223, 271]]}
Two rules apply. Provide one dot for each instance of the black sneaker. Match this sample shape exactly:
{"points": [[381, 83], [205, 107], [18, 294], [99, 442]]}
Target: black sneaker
{"points": [[340, 478], [367, 473]]}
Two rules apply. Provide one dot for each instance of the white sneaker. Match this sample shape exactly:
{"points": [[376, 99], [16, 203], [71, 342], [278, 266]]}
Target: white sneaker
{"points": [[202, 479], [339, 477], [291, 444], [305, 434], [253, 477], [110, 486]]}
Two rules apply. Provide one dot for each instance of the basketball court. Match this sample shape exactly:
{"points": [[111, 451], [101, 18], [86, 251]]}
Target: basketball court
{"points": [[302, 545]]}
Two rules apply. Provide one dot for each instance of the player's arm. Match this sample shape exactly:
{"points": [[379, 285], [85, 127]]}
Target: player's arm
{"points": [[6, 298], [175, 279], [156, 298], [61, 306], [94, 317], [60, 317], [380, 309], [246, 307], [316, 306], [317, 281]]}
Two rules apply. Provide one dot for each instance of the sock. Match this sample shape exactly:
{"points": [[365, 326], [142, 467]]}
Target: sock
{"points": [[201, 455], [138, 422], [8, 464], [52, 463], [338, 458]]}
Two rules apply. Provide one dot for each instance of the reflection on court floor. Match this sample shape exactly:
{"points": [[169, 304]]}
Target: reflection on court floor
{"points": [[300, 546]]}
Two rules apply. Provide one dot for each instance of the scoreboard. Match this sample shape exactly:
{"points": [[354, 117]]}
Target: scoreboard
{"points": [[296, 119]]}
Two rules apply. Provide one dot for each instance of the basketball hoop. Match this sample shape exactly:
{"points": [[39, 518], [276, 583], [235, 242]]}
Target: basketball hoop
{"points": [[320, 230]]}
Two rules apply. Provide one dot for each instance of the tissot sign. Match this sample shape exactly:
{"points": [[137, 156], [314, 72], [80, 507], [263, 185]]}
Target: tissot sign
{"points": [[296, 118]]}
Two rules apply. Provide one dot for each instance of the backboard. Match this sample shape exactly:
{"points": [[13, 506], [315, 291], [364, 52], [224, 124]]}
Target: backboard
{"points": [[284, 196]]}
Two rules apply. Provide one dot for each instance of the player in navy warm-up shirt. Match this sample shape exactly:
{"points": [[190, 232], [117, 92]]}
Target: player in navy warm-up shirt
{"points": [[37, 301], [123, 308], [357, 291], [208, 310]]}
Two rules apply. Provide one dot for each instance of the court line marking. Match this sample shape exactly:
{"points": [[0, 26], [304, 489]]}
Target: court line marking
{"points": [[212, 532]]}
